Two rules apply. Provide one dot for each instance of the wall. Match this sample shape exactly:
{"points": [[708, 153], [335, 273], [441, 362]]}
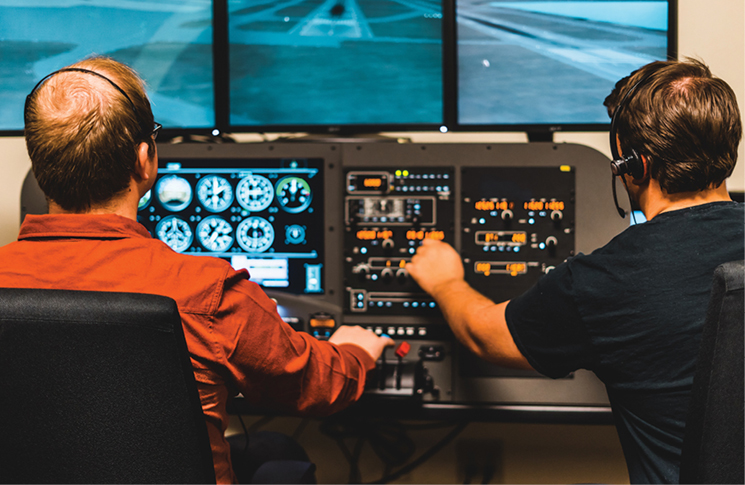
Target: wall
{"points": [[713, 30]]}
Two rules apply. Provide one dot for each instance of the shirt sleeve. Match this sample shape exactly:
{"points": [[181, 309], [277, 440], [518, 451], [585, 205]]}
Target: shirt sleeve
{"points": [[547, 327], [273, 365]]}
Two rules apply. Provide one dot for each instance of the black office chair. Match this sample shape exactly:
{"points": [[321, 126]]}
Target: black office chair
{"points": [[713, 444], [97, 388]]}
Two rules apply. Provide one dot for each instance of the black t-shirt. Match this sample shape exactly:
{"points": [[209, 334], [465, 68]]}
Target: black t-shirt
{"points": [[632, 312]]}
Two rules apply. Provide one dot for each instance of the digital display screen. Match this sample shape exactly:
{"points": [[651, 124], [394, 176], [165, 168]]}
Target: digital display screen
{"points": [[265, 216], [336, 62], [169, 43], [552, 61]]}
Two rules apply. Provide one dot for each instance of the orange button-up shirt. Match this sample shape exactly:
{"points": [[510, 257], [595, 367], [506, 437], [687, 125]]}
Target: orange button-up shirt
{"points": [[236, 338]]}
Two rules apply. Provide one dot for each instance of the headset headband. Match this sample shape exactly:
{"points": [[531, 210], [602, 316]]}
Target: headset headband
{"points": [[619, 108], [74, 69]]}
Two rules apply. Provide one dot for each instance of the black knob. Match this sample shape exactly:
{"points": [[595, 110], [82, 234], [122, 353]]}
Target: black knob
{"points": [[551, 243]]}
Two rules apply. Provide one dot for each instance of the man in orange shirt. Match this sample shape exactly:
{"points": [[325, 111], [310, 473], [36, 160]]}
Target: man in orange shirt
{"points": [[90, 134]]}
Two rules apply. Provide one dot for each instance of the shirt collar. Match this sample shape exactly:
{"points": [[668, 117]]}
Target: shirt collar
{"points": [[87, 226]]}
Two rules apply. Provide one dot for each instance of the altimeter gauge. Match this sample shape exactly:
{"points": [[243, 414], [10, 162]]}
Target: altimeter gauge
{"points": [[255, 193]]}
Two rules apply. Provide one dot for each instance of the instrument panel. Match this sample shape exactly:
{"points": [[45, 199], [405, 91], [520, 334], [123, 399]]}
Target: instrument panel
{"points": [[255, 213], [355, 214]]}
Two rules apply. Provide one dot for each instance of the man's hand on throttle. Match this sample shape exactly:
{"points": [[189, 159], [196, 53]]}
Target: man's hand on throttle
{"points": [[361, 337]]}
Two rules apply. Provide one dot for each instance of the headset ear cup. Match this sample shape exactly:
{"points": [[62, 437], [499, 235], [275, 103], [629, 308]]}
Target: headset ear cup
{"points": [[631, 165], [635, 165]]}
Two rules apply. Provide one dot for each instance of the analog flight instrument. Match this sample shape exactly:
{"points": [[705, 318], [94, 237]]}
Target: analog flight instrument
{"points": [[255, 234], [293, 194], [255, 193], [174, 192], [175, 232], [215, 193], [215, 234]]}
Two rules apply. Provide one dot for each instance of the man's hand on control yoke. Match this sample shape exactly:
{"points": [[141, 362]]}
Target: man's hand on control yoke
{"points": [[361, 337], [434, 265]]}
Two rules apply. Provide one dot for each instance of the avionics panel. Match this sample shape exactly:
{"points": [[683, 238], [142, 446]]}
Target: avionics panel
{"points": [[380, 200], [517, 224], [261, 214], [517, 211], [387, 214]]}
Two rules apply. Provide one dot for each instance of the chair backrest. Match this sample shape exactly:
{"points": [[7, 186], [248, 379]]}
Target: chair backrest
{"points": [[713, 444], [97, 387]]}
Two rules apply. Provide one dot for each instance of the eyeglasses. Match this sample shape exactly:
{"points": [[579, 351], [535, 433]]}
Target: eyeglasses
{"points": [[155, 131]]}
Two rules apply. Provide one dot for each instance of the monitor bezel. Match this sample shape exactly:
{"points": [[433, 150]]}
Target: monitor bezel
{"points": [[341, 130], [170, 132], [542, 131]]}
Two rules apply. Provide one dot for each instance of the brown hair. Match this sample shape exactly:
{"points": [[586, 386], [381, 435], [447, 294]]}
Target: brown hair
{"points": [[685, 120], [83, 135]]}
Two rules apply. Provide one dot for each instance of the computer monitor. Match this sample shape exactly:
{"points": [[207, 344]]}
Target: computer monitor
{"points": [[548, 65], [261, 215], [355, 66], [168, 43]]}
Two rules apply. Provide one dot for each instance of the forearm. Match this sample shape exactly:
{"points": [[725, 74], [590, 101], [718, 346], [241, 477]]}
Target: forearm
{"points": [[478, 323]]}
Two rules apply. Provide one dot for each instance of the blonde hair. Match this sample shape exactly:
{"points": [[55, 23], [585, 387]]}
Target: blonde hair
{"points": [[83, 135]]}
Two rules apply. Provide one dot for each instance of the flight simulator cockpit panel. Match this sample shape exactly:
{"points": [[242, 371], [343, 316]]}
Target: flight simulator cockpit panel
{"points": [[258, 214]]}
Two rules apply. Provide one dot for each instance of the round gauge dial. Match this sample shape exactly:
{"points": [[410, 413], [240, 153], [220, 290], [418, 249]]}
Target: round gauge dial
{"points": [[293, 194], [255, 193], [144, 200], [175, 232], [295, 234], [215, 193], [174, 192], [215, 234], [255, 234]]}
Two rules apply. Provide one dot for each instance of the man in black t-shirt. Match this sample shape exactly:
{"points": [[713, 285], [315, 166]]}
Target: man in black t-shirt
{"points": [[633, 310]]}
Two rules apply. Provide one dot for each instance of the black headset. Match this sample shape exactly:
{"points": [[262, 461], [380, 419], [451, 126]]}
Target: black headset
{"points": [[632, 163], [73, 69]]}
